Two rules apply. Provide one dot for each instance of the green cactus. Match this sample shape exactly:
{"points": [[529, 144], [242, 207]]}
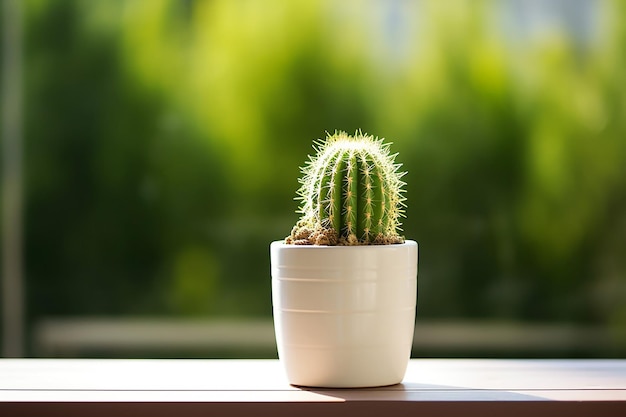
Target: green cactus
{"points": [[351, 193]]}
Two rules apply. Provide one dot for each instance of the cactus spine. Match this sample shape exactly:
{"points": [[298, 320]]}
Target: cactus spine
{"points": [[351, 193]]}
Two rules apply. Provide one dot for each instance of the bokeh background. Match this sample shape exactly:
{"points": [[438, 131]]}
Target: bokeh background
{"points": [[162, 141]]}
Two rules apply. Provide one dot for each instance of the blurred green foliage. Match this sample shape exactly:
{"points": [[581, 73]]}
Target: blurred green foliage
{"points": [[163, 140]]}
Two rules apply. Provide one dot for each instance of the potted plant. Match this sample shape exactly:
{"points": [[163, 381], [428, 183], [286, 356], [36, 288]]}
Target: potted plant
{"points": [[344, 282]]}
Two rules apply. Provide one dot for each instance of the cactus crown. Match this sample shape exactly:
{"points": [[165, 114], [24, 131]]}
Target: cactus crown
{"points": [[351, 193]]}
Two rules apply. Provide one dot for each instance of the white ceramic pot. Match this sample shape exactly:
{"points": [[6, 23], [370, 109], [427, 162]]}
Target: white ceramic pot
{"points": [[344, 315]]}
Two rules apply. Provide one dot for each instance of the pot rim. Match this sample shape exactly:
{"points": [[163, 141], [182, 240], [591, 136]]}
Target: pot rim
{"points": [[282, 244]]}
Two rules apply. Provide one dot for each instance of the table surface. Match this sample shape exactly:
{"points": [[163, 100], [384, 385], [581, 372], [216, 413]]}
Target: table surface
{"points": [[197, 387]]}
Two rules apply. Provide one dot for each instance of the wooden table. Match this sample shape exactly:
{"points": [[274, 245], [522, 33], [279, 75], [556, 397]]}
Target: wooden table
{"points": [[190, 387]]}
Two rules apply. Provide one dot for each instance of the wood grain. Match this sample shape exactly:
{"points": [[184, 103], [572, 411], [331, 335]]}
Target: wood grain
{"points": [[258, 387]]}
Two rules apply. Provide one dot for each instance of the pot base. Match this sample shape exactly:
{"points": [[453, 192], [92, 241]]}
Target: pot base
{"points": [[346, 368]]}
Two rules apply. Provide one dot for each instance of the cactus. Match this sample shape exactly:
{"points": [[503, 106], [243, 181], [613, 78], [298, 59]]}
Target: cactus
{"points": [[351, 193]]}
